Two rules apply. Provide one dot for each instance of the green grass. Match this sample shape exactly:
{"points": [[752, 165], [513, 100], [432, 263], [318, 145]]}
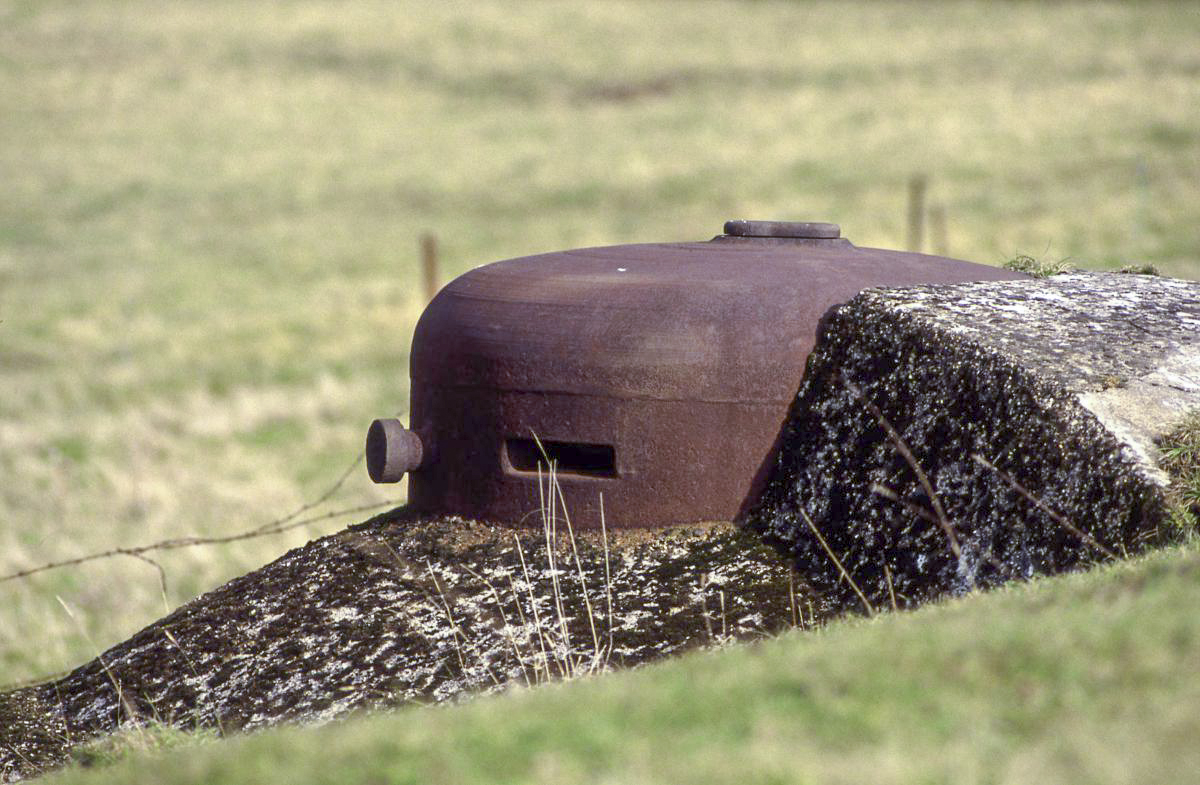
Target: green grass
{"points": [[1181, 460], [1087, 678], [1039, 268], [209, 215], [133, 742]]}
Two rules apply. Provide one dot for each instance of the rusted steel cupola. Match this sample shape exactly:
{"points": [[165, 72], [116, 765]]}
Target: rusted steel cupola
{"points": [[658, 375]]}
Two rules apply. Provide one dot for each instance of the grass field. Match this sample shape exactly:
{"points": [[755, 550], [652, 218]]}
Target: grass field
{"points": [[209, 215], [1089, 678]]}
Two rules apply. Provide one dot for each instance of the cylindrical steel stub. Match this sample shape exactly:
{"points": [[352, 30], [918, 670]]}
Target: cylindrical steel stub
{"points": [[392, 450], [793, 230]]}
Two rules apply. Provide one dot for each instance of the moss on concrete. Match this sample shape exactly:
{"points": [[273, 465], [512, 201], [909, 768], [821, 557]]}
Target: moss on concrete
{"points": [[407, 609]]}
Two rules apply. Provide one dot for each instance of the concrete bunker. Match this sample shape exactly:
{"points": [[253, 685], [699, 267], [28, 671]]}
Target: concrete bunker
{"points": [[1059, 386]]}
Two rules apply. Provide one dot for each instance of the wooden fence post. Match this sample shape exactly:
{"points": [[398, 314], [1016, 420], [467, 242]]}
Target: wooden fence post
{"points": [[429, 265], [916, 212], [937, 229]]}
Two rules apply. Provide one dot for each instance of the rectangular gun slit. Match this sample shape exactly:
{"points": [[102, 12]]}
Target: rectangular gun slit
{"points": [[569, 458]]}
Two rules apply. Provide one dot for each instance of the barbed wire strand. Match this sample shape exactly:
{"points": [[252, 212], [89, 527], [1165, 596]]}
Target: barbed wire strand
{"points": [[277, 526]]}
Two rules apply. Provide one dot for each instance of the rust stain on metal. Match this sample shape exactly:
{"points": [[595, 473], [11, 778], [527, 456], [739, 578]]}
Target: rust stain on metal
{"points": [[658, 375]]}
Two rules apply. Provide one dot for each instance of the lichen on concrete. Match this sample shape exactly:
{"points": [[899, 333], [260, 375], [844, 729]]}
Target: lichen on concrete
{"points": [[1031, 406], [406, 609]]}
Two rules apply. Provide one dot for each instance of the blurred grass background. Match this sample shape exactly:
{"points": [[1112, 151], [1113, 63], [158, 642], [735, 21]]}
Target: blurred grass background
{"points": [[209, 215]]}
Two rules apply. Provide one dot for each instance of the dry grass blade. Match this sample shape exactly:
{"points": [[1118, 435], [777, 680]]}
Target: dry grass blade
{"points": [[837, 562], [458, 635], [704, 607], [550, 529], [122, 701], [556, 502], [512, 589], [537, 619], [587, 602], [887, 573], [921, 512], [203, 697], [796, 618], [508, 634], [724, 619], [1035, 501], [892, 496], [551, 634], [942, 519], [607, 578]]}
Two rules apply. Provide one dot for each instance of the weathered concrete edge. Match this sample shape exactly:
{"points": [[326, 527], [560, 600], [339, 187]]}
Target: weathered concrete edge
{"points": [[1083, 400], [1142, 410]]}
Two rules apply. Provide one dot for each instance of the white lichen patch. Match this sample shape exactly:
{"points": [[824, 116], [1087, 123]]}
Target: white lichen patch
{"points": [[344, 614]]}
